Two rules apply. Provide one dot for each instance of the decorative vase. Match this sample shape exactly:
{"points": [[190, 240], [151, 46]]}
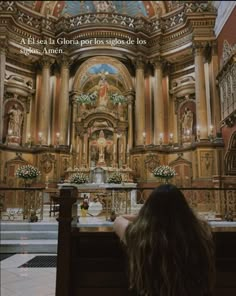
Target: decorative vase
{"points": [[84, 212], [28, 182], [166, 180]]}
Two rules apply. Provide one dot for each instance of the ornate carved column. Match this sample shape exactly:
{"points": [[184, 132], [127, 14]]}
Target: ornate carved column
{"points": [[130, 98], [139, 102], [85, 150], [215, 104], [45, 102], [200, 90], [64, 100], [73, 120], [3, 48], [158, 102]]}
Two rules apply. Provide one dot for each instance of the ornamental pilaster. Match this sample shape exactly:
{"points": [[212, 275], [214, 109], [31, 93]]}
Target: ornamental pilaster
{"points": [[64, 99], [130, 99], [3, 49], [44, 103], [139, 101], [200, 90], [158, 105]]}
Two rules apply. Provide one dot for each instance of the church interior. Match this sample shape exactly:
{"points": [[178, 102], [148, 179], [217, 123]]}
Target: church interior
{"points": [[117, 88]]}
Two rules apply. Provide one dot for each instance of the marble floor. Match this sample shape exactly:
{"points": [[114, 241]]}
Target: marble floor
{"points": [[18, 281]]}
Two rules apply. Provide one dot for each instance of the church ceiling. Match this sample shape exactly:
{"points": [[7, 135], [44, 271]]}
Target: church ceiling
{"points": [[71, 8]]}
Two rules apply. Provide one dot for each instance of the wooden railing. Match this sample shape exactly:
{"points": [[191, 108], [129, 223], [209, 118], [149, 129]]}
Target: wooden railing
{"points": [[91, 260]]}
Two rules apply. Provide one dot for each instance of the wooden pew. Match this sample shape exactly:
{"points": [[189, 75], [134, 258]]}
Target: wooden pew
{"points": [[92, 261]]}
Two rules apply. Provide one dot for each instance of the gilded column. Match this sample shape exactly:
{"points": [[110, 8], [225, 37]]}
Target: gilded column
{"points": [[215, 104], [200, 90], [130, 98], [45, 103], [158, 102], [73, 126], [64, 101], [3, 48], [139, 102]]}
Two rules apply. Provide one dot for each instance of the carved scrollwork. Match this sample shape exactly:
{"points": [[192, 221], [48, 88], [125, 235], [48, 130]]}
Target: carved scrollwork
{"points": [[47, 160], [151, 162]]}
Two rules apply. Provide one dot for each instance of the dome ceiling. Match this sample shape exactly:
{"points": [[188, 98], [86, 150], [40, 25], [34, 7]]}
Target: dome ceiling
{"points": [[71, 8]]}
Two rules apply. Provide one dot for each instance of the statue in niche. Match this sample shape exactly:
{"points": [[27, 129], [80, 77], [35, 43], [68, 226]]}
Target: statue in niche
{"points": [[187, 121], [15, 121], [103, 89]]}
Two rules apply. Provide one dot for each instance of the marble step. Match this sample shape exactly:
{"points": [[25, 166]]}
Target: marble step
{"points": [[28, 246], [28, 235], [25, 237], [26, 226]]}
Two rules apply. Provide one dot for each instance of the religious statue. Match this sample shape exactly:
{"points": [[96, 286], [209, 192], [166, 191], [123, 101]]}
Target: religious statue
{"points": [[187, 121], [15, 121], [103, 90], [101, 146], [104, 6]]}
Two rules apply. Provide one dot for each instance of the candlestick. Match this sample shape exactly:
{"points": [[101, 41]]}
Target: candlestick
{"points": [[171, 139], [58, 138], [40, 137], [144, 138], [198, 133], [161, 138]]}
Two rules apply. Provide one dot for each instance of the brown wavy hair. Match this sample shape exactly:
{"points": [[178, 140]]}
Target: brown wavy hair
{"points": [[170, 251]]}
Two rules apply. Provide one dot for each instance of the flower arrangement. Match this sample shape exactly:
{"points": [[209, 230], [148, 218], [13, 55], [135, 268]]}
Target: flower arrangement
{"points": [[78, 178], [115, 178], [84, 205], [164, 171], [86, 98], [117, 98], [27, 172]]}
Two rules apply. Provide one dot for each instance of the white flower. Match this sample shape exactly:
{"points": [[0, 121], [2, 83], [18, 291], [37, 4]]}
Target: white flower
{"points": [[164, 171], [27, 172], [117, 98], [115, 178], [78, 178], [86, 98]]}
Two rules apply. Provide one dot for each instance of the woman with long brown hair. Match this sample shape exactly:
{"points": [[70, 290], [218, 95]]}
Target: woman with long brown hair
{"points": [[170, 251]]}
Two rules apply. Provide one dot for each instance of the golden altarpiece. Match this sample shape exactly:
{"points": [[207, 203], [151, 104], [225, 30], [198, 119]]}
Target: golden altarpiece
{"points": [[101, 87]]}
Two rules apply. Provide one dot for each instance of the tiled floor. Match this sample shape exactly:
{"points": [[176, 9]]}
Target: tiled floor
{"points": [[17, 281]]}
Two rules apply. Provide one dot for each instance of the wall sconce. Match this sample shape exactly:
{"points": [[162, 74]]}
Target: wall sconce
{"points": [[144, 138], [40, 138], [57, 139], [161, 139]]}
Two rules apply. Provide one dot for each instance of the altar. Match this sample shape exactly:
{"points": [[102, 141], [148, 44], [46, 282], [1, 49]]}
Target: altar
{"points": [[120, 198]]}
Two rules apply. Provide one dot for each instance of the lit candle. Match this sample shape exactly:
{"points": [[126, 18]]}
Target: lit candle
{"points": [[46, 178], [171, 136], [10, 132], [58, 135]]}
